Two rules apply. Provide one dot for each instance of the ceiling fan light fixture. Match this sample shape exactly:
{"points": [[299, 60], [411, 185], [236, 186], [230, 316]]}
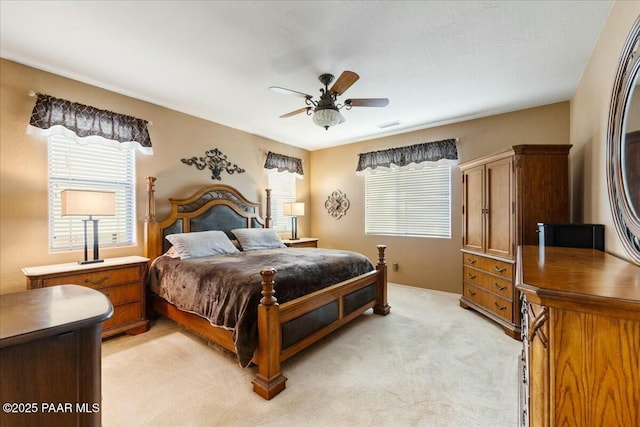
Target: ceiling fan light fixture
{"points": [[326, 110], [326, 117]]}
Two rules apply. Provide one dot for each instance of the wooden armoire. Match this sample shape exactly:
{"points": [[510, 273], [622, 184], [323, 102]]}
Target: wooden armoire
{"points": [[505, 195]]}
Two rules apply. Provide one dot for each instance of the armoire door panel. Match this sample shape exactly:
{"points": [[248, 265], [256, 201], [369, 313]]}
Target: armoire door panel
{"points": [[473, 193], [499, 208]]}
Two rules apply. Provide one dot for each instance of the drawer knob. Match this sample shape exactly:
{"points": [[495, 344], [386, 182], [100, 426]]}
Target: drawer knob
{"points": [[499, 270], [97, 282], [471, 260], [471, 275], [471, 292], [500, 288], [500, 307]]}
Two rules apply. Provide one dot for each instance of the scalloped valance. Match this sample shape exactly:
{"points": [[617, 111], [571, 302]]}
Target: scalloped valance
{"points": [[284, 163], [55, 116], [404, 156]]}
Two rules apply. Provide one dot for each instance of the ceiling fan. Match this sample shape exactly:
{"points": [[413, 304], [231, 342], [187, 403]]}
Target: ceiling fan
{"points": [[326, 110]]}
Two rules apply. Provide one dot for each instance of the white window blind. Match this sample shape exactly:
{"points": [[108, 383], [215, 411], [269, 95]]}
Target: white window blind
{"points": [[409, 202], [283, 189], [90, 167]]}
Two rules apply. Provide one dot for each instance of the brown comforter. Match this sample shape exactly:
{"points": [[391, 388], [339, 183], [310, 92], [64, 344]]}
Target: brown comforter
{"points": [[225, 289]]}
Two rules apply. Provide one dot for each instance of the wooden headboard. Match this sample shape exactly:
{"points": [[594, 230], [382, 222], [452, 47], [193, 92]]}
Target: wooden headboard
{"points": [[214, 207]]}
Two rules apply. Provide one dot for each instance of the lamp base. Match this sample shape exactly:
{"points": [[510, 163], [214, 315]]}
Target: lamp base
{"points": [[90, 261]]}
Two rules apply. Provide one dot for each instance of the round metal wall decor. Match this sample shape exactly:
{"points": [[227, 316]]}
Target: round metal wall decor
{"points": [[337, 204]]}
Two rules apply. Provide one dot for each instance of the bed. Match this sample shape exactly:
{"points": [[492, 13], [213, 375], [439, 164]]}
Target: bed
{"points": [[315, 298]]}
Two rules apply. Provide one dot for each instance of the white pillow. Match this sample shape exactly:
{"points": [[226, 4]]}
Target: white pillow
{"points": [[252, 239], [201, 243]]}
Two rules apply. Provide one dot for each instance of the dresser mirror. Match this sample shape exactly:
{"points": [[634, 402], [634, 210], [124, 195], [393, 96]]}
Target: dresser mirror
{"points": [[623, 146]]}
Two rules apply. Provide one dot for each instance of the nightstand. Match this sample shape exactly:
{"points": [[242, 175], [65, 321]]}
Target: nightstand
{"points": [[122, 280], [302, 242]]}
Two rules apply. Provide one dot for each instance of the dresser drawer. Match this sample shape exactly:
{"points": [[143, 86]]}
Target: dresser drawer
{"points": [[497, 285], [472, 260], [489, 301], [499, 268], [123, 294], [97, 279], [473, 293], [499, 306], [471, 276], [123, 314]]}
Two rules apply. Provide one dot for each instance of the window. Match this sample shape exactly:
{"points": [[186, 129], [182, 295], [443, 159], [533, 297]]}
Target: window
{"points": [[409, 202], [90, 167], [283, 189]]}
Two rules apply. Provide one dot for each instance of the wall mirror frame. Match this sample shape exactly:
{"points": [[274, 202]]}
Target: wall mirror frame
{"points": [[623, 146]]}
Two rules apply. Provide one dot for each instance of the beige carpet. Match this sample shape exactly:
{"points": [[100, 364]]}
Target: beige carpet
{"points": [[428, 363]]}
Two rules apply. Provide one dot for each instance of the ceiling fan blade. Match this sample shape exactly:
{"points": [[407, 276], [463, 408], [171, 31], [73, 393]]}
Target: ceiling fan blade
{"points": [[289, 92], [344, 82], [293, 113], [367, 102]]}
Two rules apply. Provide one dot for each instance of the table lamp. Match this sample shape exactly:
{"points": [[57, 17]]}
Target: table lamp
{"points": [[89, 203], [294, 210]]}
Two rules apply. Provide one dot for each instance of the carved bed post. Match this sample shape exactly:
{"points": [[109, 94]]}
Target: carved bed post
{"points": [[381, 306], [267, 218], [269, 381], [150, 224]]}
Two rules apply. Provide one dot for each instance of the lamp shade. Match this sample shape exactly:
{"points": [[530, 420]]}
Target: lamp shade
{"points": [[88, 203], [293, 209], [327, 117]]}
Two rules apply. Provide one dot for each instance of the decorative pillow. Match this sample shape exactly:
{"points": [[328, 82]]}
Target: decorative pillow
{"points": [[201, 243], [171, 252], [252, 239]]}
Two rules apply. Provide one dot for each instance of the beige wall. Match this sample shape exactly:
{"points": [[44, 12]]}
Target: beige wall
{"points": [[423, 262], [589, 116], [23, 165]]}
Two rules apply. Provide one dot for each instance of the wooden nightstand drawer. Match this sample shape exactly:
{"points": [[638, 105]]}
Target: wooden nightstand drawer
{"points": [[303, 242], [123, 294], [123, 314], [99, 279], [313, 244]]}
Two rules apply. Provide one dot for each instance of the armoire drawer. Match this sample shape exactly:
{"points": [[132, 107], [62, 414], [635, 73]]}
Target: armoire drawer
{"points": [[491, 302]]}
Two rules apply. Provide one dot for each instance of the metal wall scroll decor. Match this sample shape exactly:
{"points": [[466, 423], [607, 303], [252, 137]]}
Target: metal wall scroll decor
{"points": [[216, 162], [337, 204]]}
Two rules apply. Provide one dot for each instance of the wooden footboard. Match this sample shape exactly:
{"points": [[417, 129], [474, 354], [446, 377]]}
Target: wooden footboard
{"points": [[269, 380]]}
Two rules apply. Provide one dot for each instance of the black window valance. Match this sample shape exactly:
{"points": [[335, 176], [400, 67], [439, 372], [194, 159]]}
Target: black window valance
{"points": [[55, 116], [284, 163], [403, 156]]}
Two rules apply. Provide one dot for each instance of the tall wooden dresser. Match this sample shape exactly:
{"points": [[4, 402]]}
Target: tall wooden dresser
{"points": [[580, 364], [505, 196]]}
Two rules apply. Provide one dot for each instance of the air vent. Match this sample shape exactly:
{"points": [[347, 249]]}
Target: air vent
{"points": [[388, 125]]}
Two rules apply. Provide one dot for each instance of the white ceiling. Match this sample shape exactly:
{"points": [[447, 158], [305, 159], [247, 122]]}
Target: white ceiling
{"points": [[437, 62]]}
